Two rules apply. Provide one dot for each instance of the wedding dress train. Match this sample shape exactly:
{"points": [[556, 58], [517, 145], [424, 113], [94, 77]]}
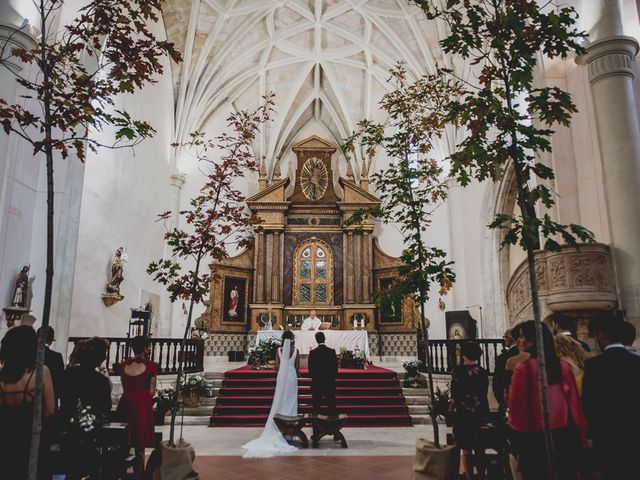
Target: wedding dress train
{"points": [[285, 402]]}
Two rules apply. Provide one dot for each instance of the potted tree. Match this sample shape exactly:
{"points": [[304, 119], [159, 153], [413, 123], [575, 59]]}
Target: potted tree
{"points": [[107, 50], [509, 120], [409, 189]]}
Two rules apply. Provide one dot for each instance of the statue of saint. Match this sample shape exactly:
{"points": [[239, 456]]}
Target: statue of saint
{"points": [[117, 272], [20, 294]]}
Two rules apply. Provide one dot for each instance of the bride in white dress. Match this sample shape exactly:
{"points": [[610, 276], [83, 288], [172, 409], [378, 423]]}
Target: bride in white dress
{"points": [[285, 402]]}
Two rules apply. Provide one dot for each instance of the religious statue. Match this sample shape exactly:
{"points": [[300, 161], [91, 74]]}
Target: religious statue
{"points": [[21, 300], [112, 294], [21, 290], [117, 272]]}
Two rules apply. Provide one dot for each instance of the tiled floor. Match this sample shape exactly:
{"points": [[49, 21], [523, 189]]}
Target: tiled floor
{"points": [[306, 468], [373, 453]]}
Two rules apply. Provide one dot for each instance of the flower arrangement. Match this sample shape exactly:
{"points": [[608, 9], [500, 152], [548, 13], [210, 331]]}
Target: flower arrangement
{"points": [[264, 352], [345, 353], [410, 365], [193, 384], [164, 400], [85, 422], [441, 405]]}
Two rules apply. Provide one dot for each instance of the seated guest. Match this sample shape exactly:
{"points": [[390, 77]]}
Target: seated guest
{"points": [[311, 322], [17, 389], [54, 361], [568, 425], [469, 387], [611, 396], [84, 383]]}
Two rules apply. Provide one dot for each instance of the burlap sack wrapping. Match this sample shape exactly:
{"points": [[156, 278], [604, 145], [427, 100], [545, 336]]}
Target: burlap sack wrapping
{"points": [[176, 463], [433, 463]]}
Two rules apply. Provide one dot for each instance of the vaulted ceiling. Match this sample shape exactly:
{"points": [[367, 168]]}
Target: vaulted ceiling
{"points": [[326, 60]]}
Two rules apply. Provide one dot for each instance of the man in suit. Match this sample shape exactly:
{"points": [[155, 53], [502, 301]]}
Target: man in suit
{"points": [[611, 395], [563, 324], [53, 360], [498, 384], [323, 370]]}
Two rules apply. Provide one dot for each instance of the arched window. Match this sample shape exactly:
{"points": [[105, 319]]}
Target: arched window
{"points": [[313, 274]]}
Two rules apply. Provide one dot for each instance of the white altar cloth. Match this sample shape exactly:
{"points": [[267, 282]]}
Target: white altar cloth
{"points": [[336, 339]]}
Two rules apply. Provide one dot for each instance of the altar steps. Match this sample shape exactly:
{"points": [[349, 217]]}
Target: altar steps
{"points": [[371, 397]]}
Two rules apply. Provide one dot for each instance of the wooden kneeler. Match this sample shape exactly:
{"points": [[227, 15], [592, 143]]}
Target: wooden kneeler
{"points": [[326, 425], [292, 426]]}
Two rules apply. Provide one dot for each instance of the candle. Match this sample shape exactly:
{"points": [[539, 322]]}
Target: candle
{"points": [[355, 324], [362, 323]]}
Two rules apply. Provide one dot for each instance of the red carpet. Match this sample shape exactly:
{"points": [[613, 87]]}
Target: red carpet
{"points": [[371, 397]]}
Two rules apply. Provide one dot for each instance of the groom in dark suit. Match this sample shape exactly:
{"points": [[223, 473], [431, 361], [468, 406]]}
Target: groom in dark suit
{"points": [[323, 370]]}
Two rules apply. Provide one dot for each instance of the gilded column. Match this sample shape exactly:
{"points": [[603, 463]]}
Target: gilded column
{"points": [[366, 267], [268, 260], [260, 268], [609, 62], [275, 269], [357, 268], [348, 266]]}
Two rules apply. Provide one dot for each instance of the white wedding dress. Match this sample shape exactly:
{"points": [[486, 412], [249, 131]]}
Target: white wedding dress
{"points": [[285, 402]]}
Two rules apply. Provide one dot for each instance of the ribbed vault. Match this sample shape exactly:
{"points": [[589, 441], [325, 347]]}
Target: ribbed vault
{"points": [[326, 60]]}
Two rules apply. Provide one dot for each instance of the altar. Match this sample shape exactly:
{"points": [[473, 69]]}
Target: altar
{"points": [[305, 341]]}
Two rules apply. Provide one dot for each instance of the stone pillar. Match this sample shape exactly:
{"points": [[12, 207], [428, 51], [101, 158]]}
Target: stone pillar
{"points": [[66, 253], [165, 327], [609, 61]]}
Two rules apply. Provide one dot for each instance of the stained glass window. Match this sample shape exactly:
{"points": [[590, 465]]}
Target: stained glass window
{"points": [[313, 275]]}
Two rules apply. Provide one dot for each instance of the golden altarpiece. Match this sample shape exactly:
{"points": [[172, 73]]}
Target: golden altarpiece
{"points": [[306, 258]]}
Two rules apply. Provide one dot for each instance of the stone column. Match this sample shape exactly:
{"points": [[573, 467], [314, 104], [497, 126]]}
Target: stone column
{"points": [[609, 61], [165, 327]]}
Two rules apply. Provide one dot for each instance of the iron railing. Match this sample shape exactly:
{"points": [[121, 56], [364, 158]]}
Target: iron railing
{"points": [[445, 354], [165, 352]]}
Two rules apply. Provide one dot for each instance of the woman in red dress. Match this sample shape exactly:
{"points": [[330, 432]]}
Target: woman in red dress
{"points": [[138, 376]]}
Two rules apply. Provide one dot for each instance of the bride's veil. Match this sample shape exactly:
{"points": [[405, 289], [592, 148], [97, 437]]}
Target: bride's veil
{"points": [[285, 399], [279, 395]]}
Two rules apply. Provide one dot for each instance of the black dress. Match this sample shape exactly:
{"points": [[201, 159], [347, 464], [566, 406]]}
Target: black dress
{"points": [[469, 387], [15, 439]]}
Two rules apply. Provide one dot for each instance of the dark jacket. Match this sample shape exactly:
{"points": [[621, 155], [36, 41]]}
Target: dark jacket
{"points": [[611, 396], [499, 383], [323, 365], [89, 387], [53, 360]]}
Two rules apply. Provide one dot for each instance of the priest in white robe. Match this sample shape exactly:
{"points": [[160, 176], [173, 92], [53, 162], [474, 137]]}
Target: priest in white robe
{"points": [[311, 322]]}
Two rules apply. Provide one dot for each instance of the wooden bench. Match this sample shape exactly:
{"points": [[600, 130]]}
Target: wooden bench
{"points": [[292, 426], [326, 425]]}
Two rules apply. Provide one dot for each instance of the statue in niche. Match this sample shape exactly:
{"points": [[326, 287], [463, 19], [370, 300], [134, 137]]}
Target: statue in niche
{"points": [[21, 300], [117, 272], [112, 294], [21, 291]]}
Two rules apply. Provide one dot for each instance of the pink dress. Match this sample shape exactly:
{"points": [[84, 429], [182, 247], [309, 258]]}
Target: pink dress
{"points": [[136, 404]]}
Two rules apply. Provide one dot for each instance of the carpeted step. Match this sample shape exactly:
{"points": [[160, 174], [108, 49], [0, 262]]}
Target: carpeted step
{"points": [[370, 397], [306, 400], [306, 390], [304, 409], [352, 421]]}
